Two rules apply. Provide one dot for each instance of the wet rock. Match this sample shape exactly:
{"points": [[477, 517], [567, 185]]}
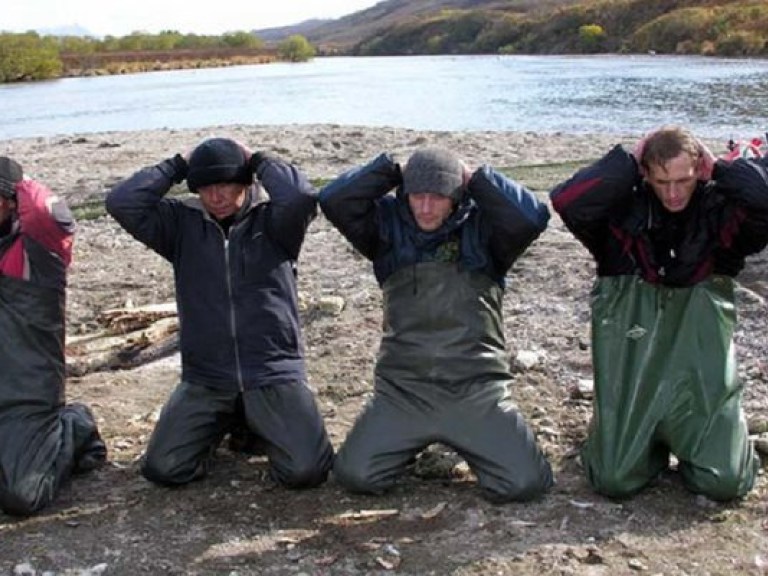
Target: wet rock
{"points": [[538, 412], [547, 432], [526, 360], [584, 389], [24, 569], [304, 301], [331, 305], [757, 425], [438, 463]]}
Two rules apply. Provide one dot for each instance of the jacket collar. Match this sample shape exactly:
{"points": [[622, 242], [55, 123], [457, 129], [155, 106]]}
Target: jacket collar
{"points": [[255, 194], [648, 213]]}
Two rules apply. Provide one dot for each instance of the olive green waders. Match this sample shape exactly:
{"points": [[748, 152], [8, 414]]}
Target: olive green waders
{"points": [[666, 381], [442, 375]]}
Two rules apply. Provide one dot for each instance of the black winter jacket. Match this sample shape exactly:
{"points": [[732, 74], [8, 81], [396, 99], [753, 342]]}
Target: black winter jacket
{"points": [[236, 295], [619, 219]]}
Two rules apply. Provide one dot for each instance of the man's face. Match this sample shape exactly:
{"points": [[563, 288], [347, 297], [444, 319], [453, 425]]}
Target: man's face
{"points": [[7, 206], [222, 200], [430, 210], [674, 182]]}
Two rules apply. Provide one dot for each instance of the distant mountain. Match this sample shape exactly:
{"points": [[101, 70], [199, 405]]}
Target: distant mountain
{"points": [[347, 31], [401, 27], [70, 30], [282, 32]]}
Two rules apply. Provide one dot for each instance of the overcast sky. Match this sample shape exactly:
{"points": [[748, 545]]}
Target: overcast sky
{"points": [[121, 17]]}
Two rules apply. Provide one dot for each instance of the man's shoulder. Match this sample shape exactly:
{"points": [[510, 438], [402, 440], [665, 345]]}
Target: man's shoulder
{"points": [[389, 210]]}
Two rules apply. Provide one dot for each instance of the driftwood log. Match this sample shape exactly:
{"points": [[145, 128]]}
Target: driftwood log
{"points": [[130, 337]]}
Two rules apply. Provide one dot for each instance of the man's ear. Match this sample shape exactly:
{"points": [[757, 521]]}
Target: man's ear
{"points": [[466, 176]]}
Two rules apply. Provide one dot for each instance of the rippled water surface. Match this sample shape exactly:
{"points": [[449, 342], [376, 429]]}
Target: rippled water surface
{"points": [[715, 97]]}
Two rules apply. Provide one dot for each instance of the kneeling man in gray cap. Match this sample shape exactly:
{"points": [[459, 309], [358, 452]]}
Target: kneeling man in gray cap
{"points": [[441, 245]]}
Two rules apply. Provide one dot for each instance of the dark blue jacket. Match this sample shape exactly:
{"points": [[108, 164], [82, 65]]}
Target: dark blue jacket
{"points": [[236, 295], [493, 224]]}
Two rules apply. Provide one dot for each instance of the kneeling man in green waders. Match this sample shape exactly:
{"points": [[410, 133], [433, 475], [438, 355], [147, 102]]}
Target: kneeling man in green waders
{"points": [[669, 228], [441, 247]]}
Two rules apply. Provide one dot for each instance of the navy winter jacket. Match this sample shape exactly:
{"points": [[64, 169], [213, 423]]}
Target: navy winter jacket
{"points": [[236, 294], [493, 224]]}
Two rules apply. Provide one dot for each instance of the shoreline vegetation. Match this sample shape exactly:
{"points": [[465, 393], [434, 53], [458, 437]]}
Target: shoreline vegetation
{"points": [[127, 62], [721, 28], [29, 56]]}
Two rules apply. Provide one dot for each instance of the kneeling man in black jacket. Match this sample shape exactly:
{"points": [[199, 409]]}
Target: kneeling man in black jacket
{"points": [[233, 248]]}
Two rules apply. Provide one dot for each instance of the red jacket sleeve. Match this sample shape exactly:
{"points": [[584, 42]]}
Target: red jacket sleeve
{"points": [[45, 218]]}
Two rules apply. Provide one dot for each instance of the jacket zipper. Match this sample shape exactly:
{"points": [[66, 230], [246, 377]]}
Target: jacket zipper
{"points": [[232, 315]]}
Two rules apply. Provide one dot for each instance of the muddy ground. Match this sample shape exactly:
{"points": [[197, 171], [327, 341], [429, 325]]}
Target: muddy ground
{"points": [[235, 522]]}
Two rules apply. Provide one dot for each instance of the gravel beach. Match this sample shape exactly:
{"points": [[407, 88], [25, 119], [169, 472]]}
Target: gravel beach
{"points": [[235, 522]]}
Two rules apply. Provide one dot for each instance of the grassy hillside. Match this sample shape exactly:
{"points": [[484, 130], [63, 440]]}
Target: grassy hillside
{"points": [[391, 14], [712, 27]]}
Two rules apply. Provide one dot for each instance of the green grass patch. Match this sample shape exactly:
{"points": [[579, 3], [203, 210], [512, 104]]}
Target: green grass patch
{"points": [[93, 207], [89, 210], [544, 177], [320, 182]]}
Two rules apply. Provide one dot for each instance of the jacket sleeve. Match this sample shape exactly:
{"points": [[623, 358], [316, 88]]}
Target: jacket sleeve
{"points": [[45, 218], [744, 184], [588, 200], [139, 206], [293, 201], [351, 202], [511, 214]]}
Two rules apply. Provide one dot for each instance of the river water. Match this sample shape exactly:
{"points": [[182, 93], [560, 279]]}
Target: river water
{"points": [[616, 94]]}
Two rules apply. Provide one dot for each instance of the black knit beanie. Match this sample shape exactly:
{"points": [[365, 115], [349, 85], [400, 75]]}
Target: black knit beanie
{"points": [[434, 170], [10, 175], [218, 161]]}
